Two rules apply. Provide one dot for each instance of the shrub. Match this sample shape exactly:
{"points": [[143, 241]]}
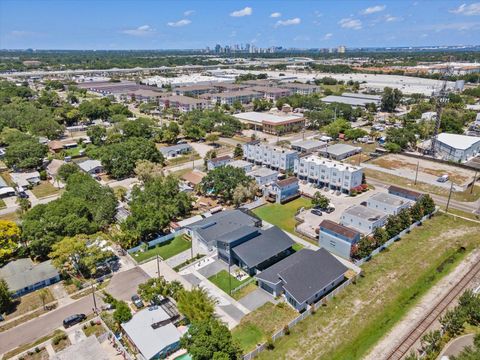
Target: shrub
{"points": [[270, 345], [43, 175], [286, 330], [57, 338]]}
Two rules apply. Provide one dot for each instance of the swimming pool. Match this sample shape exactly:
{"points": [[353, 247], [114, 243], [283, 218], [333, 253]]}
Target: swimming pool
{"points": [[184, 357]]}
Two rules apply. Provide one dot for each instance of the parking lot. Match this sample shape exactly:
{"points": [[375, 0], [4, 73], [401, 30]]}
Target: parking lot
{"points": [[340, 202]]}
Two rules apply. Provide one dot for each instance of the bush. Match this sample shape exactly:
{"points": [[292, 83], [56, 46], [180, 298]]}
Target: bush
{"points": [[286, 330], [43, 175], [57, 338], [270, 345]]}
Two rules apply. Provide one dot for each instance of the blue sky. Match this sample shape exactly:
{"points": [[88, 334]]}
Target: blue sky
{"points": [[149, 24]]}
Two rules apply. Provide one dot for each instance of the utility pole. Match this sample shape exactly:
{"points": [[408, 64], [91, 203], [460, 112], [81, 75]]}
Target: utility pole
{"points": [[158, 266], [449, 196], [474, 181], [416, 173], [94, 300]]}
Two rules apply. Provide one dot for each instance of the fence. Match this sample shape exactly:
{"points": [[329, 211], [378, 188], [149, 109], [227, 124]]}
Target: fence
{"points": [[155, 242], [299, 318], [395, 238], [243, 285], [115, 342]]}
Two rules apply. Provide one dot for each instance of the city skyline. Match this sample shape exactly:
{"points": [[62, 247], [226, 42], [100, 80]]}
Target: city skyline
{"points": [[55, 24]]}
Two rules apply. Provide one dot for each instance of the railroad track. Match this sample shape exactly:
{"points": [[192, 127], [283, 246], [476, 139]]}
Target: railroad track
{"points": [[408, 341]]}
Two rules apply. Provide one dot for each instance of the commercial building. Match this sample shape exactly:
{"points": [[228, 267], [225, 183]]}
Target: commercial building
{"points": [[269, 123], [355, 100], [390, 204], [183, 103], [152, 332], [337, 239], [218, 161], [253, 249], [405, 193], [23, 276], [328, 173], [264, 176], [308, 146], [457, 148], [303, 277], [363, 219], [277, 158], [175, 150], [282, 191], [340, 151]]}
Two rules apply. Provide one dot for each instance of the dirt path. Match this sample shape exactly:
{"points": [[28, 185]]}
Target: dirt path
{"points": [[426, 303]]}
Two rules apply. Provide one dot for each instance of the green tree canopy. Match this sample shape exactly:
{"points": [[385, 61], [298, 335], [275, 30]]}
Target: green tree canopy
{"points": [[223, 181]]}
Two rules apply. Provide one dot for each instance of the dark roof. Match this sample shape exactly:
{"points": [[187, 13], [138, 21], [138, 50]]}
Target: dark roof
{"points": [[305, 273], [404, 191], [221, 223], [339, 229], [220, 158], [286, 182], [239, 233], [268, 244]]}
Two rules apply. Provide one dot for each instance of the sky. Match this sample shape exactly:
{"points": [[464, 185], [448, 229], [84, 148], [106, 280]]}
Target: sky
{"points": [[163, 24]]}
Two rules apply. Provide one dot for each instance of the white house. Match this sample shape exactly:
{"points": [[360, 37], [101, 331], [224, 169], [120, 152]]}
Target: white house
{"points": [[277, 158], [363, 219], [241, 164], [91, 167], [264, 176], [388, 203], [218, 161]]}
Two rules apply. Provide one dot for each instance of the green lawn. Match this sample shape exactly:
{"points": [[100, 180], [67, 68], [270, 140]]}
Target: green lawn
{"points": [[394, 282], [282, 216], [165, 250], [2, 204], [44, 189], [297, 247], [221, 280], [255, 327]]}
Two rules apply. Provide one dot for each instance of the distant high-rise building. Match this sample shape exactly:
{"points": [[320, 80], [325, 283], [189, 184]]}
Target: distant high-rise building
{"points": [[341, 49]]}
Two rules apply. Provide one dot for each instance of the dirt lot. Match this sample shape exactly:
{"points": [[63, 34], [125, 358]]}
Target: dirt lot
{"points": [[427, 168]]}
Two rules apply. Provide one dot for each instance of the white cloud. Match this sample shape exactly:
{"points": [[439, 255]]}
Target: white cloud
{"points": [[179, 23], [143, 30], [350, 23], [189, 12], [288, 22], [275, 15], [390, 18], [244, 12], [373, 9], [327, 36], [461, 26], [468, 10]]}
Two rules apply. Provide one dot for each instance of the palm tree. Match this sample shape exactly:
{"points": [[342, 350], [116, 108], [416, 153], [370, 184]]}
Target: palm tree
{"points": [[43, 294], [196, 304]]}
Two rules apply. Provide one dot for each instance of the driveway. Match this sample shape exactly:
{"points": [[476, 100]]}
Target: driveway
{"points": [[124, 284], [213, 268], [256, 299]]}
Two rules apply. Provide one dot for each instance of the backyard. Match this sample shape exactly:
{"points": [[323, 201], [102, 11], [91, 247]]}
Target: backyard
{"points": [[44, 189], [368, 309], [165, 250], [221, 280], [282, 216]]}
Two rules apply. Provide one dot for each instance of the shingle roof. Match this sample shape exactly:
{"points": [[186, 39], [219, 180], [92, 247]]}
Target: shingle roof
{"points": [[339, 229], [268, 244], [22, 273], [393, 188], [89, 165], [286, 182]]}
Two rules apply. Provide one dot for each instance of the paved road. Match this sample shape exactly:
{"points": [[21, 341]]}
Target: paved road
{"points": [[122, 286]]}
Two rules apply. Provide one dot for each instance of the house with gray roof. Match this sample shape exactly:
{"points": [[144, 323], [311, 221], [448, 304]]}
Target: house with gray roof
{"points": [[363, 219], [23, 276], [388, 203], [264, 176], [91, 167], [175, 150], [304, 277], [340, 151]]}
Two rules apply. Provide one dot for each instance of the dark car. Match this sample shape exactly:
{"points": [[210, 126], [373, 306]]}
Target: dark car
{"points": [[73, 319], [317, 212], [137, 301]]}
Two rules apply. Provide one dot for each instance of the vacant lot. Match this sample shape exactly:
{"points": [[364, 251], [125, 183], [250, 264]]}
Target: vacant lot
{"points": [[394, 281], [165, 250], [282, 216]]}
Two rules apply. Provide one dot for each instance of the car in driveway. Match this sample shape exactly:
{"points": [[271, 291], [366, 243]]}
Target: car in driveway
{"points": [[317, 212], [137, 301], [73, 319]]}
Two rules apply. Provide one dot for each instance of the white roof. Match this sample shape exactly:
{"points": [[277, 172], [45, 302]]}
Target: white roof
{"points": [[150, 341], [329, 163], [6, 190], [21, 178], [89, 165], [353, 101], [259, 117], [460, 142], [262, 172]]}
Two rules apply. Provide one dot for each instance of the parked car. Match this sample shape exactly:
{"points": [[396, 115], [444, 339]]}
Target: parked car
{"points": [[316, 212], [73, 319], [329, 210], [443, 178], [137, 301]]}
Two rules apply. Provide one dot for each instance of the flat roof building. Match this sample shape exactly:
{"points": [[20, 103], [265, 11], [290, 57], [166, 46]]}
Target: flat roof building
{"points": [[363, 219], [340, 151], [457, 148], [388, 203], [308, 146], [337, 239], [348, 100], [272, 123]]}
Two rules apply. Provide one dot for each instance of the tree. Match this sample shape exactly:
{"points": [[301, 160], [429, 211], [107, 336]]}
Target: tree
{"points": [[223, 181], [150, 289], [24, 204], [25, 154], [9, 238], [380, 236], [211, 154], [141, 128], [210, 339], [238, 151], [336, 127], [43, 295], [243, 193], [354, 134], [66, 170], [212, 138], [390, 99], [196, 304], [319, 200], [404, 218], [416, 212], [431, 341], [122, 313], [470, 305], [97, 134], [393, 227], [453, 322], [146, 170], [261, 105], [6, 299], [402, 137], [120, 193], [427, 204]]}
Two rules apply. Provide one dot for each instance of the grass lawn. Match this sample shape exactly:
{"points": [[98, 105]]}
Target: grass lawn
{"points": [[221, 280], [29, 302], [2, 204], [257, 326], [96, 330], [11, 216], [394, 282], [165, 250], [44, 189], [297, 246], [247, 289], [407, 183], [282, 216]]}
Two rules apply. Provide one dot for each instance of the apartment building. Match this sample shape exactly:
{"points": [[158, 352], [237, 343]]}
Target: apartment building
{"points": [[183, 103], [229, 98], [277, 158], [301, 89], [194, 90], [328, 173], [272, 93]]}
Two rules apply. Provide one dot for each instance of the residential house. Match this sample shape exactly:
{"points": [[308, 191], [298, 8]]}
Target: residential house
{"points": [[241, 164], [328, 173], [218, 161], [337, 239], [26, 179], [91, 167], [277, 158], [53, 167], [282, 191], [303, 277], [405, 193], [264, 176], [193, 178], [175, 150], [23, 276], [340, 151], [363, 219], [390, 204]]}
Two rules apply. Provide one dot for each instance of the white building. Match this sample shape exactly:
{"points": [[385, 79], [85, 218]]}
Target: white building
{"points": [[242, 164], [363, 219], [301, 88], [241, 96], [330, 173], [91, 167], [264, 176], [273, 157], [183, 103], [457, 148], [388, 203], [218, 162]]}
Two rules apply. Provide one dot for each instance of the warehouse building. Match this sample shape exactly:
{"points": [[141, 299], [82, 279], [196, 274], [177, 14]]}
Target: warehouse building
{"points": [[457, 148]]}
